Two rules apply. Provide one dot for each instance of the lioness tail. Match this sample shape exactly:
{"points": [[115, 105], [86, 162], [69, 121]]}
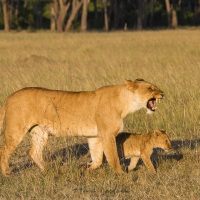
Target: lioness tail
{"points": [[2, 115]]}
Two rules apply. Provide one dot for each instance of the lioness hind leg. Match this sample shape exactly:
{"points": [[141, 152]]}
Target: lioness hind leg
{"points": [[96, 152], [11, 142], [39, 140], [5, 154]]}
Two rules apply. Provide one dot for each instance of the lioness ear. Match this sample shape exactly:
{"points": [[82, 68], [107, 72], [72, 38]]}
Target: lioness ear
{"points": [[131, 85], [127, 81], [139, 79]]}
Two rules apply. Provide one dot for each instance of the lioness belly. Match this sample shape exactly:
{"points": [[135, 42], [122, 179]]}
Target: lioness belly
{"points": [[57, 130]]}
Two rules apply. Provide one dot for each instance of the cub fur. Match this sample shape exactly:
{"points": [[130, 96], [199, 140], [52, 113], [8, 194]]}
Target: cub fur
{"points": [[97, 115], [135, 146]]}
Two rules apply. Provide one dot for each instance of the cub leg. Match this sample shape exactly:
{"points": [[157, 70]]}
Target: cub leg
{"points": [[96, 152], [12, 140], [39, 140], [147, 161], [133, 163]]}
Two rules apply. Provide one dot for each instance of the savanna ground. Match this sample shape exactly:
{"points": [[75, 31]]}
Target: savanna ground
{"points": [[169, 59]]}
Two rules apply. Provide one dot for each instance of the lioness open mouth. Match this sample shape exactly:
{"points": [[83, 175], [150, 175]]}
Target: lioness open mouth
{"points": [[151, 104]]}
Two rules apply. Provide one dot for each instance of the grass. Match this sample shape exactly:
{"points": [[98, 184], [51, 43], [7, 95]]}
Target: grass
{"points": [[169, 59]]}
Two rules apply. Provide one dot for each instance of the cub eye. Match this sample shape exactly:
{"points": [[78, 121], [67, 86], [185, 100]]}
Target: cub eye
{"points": [[166, 141]]}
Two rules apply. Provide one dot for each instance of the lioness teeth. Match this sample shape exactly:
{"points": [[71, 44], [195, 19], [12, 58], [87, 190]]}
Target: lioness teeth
{"points": [[154, 108], [158, 100]]}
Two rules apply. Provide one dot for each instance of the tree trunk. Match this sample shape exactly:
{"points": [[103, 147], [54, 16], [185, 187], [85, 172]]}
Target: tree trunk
{"points": [[144, 18], [62, 14], [116, 13], [59, 10], [6, 15], [95, 14], [75, 8], [140, 15], [84, 16], [197, 12], [53, 18], [151, 12], [167, 4], [174, 22], [171, 13], [38, 11], [61, 17], [105, 15], [16, 12]]}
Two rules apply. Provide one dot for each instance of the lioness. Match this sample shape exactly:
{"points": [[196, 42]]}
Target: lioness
{"points": [[135, 146], [96, 114]]}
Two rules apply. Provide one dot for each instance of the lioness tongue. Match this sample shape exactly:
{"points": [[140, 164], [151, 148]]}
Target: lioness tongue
{"points": [[151, 104]]}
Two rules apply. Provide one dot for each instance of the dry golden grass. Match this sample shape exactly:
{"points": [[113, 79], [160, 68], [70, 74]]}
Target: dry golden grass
{"points": [[170, 59]]}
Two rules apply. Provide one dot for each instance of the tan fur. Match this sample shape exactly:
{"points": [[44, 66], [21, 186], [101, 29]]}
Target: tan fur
{"points": [[97, 115], [135, 146]]}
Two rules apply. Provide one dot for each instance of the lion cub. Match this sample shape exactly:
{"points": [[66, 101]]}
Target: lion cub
{"points": [[135, 146]]}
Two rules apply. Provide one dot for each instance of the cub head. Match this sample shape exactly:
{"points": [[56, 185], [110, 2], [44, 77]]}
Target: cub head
{"points": [[161, 140], [147, 94]]}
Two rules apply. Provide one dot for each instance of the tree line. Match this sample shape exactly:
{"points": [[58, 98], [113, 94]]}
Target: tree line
{"points": [[83, 15]]}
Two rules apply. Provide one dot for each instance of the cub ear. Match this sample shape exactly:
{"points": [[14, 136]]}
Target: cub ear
{"points": [[156, 133], [163, 131], [131, 85]]}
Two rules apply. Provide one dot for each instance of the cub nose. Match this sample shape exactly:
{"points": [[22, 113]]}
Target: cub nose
{"points": [[162, 94], [170, 146]]}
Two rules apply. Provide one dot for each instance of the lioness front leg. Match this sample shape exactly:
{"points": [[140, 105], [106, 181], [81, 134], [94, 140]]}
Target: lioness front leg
{"points": [[147, 161], [108, 129], [96, 152], [110, 150]]}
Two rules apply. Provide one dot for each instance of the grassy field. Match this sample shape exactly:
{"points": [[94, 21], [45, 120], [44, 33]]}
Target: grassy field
{"points": [[169, 59]]}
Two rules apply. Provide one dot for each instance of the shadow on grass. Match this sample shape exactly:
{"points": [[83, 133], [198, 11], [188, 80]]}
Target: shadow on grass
{"points": [[80, 153], [189, 144], [160, 155]]}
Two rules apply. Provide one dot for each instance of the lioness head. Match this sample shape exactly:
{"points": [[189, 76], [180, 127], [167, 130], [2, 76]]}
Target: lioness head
{"points": [[161, 140], [147, 93]]}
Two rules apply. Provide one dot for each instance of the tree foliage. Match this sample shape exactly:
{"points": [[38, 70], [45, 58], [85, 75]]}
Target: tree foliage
{"points": [[98, 14]]}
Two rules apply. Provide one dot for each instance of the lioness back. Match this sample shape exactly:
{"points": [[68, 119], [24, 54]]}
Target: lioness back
{"points": [[71, 112]]}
